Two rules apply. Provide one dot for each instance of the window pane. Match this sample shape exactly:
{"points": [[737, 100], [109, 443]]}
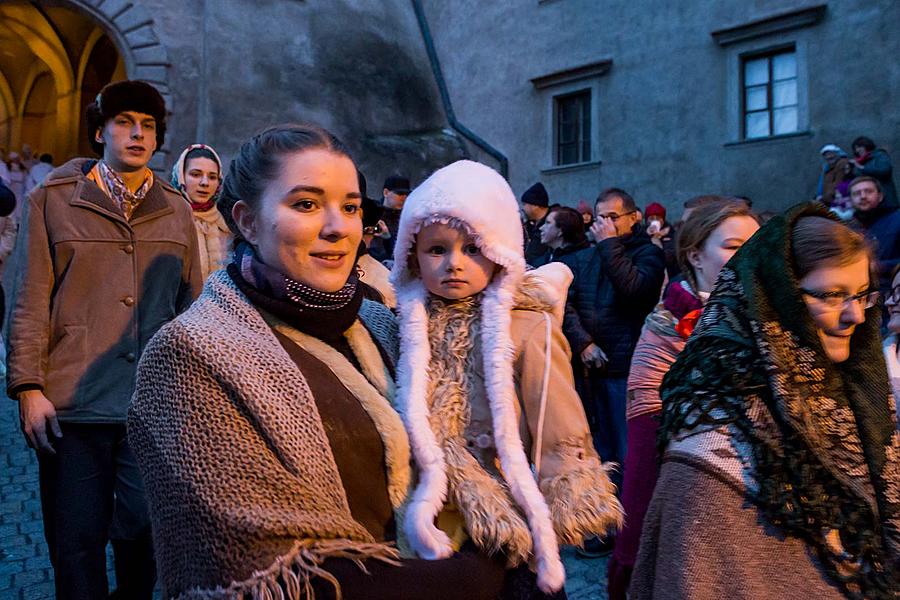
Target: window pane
{"points": [[756, 71], [568, 133], [784, 66], [784, 120], [573, 128], [756, 98], [586, 130], [757, 124], [784, 93]]}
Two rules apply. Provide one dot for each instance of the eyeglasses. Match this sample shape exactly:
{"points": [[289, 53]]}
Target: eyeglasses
{"points": [[841, 300], [894, 296], [614, 216]]}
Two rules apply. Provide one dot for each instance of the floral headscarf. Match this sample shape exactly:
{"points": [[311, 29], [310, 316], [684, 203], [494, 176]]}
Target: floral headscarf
{"points": [[178, 177]]}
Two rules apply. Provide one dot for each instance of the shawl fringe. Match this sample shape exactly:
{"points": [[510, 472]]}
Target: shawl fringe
{"points": [[289, 577]]}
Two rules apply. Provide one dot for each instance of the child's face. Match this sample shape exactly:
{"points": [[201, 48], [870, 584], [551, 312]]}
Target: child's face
{"points": [[450, 263]]}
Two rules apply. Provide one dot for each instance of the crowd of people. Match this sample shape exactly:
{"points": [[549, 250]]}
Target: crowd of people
{"points": [[266, 384]]}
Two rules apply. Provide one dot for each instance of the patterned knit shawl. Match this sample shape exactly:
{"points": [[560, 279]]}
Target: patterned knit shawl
{"points": [[819, 437]]}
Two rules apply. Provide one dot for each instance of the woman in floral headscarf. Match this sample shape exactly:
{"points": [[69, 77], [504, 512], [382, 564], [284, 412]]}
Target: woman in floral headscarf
{"points": [[198, 176], [781, 469]]}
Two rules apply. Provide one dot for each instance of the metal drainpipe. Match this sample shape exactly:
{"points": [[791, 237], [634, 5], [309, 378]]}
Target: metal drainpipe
{"points": [[445, 95]]}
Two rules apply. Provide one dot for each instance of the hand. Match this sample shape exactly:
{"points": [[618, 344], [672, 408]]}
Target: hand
{"points": [[603, 229], [35, 412], [383, 231], [593, 356]]}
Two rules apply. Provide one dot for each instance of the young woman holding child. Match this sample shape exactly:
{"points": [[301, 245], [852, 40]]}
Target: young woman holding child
{"points": [[264, 419]]}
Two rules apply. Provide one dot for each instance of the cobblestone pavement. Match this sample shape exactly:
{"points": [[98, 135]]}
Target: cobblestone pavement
{"points": [[24, 567], [25, 572]]}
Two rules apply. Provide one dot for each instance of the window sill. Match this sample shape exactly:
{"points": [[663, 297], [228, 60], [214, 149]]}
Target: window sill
{"points": [[771, 138], [574, 167]]}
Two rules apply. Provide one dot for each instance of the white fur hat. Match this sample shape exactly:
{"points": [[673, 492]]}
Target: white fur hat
{"points": [[478, 197]]}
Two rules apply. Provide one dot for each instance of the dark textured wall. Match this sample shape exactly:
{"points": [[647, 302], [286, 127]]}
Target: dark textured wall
{"points": [[356, 68], [665, 121]]}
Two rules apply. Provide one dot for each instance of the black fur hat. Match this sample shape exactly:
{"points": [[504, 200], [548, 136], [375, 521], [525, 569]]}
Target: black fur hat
{"points": [[122, 96]]}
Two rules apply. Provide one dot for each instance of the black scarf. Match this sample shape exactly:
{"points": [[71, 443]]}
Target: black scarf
{"points": [[821, 439], [325, 315]]}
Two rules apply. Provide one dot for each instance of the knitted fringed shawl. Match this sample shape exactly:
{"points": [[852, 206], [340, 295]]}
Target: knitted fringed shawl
{"points": [[245, 496], [817, 439]]}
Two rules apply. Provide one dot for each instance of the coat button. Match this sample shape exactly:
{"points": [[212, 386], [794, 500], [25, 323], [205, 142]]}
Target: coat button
{"points": [[128, 301], [129, 249], [130, 357]]}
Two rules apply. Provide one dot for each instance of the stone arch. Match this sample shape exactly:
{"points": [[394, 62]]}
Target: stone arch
{"points": [[96, 35], [8, 115], [100, 63], [38, 110], [132, 29], [40, 36]]}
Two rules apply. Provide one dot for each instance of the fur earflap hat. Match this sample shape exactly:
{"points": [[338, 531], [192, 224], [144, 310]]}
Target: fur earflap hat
{"points": [[475, 197], [121, 96]]}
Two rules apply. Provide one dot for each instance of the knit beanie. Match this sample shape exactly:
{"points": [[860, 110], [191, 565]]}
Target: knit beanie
{"points": [[655, 209], [475, 197], [121, 96], [536, 195]]}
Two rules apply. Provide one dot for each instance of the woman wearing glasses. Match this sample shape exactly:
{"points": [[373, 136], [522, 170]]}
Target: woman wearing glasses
{"points": [[781, 461]]}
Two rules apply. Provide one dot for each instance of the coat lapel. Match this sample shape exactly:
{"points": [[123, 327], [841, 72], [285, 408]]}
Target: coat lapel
{"points": [[88, 195], [154, 205]]}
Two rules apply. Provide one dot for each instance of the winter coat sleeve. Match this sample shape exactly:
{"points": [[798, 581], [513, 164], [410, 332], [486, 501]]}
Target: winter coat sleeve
{"points": [[574, 329], [636, 278], [192, 278], [578, 491], [879, 166], [30, 322]]}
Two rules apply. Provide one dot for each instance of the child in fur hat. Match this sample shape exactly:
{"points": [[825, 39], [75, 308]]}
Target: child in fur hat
{"points": [[485, 384]]}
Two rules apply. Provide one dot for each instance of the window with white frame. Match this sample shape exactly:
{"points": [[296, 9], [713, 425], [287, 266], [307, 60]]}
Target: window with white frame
{"points": [[770, 100], [573, 128]]}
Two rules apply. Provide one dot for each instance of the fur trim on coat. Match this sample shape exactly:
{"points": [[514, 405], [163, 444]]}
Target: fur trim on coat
{"points": [[473, 195]]}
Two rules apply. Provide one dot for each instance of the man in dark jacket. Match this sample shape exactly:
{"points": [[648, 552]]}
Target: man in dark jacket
{"points": [[536, 206], [880, 223], [617, 283], [107, 255], [868, 160], [396, 189]]}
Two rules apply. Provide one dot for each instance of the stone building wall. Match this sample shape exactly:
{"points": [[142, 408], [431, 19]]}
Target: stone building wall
{"points": [[666, 123]]}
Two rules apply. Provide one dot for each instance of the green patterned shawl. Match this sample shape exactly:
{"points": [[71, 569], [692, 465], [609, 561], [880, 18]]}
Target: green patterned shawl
{"points": [[819, 438]]}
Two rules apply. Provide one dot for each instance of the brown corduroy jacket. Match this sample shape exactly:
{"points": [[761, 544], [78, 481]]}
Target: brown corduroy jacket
{"points": [[93, 288]]}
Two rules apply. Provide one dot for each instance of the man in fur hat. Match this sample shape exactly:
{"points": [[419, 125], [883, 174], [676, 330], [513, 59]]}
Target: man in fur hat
{"points": [[108, 255]]}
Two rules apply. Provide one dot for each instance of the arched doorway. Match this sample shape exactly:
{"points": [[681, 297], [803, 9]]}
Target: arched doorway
{"points": [[101, 63], [38, 113], [55, 57]]}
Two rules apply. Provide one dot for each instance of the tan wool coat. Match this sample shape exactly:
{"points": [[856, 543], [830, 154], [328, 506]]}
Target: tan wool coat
{"points": [[93, 288]]}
